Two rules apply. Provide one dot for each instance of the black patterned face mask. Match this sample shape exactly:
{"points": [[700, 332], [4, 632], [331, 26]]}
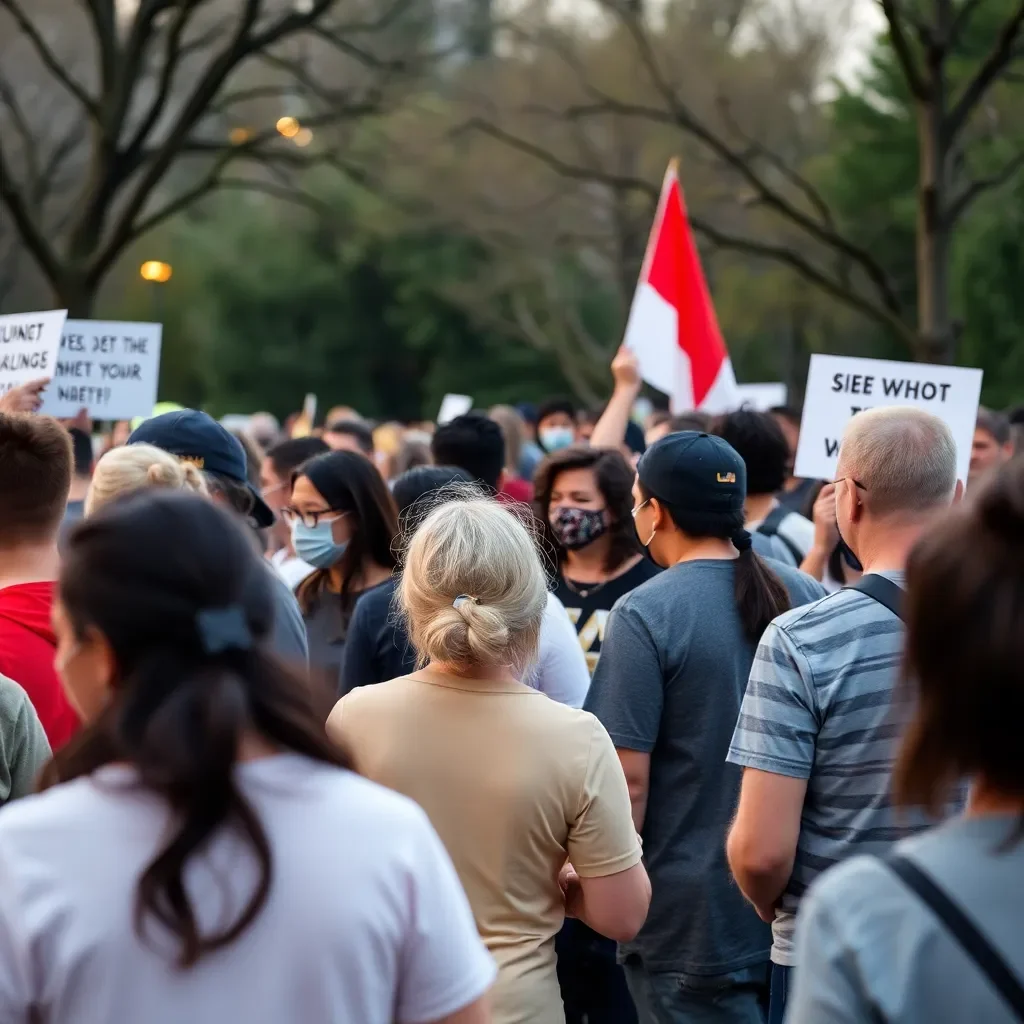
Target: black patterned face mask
{"points": [[575, 528]]}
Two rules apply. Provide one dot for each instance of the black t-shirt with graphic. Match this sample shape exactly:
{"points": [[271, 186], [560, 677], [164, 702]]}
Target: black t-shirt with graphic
{"points": [[588, 604]]}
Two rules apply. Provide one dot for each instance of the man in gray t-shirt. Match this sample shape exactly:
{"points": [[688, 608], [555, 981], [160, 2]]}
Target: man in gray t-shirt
{"points": [[816, 734], [668, 686]]}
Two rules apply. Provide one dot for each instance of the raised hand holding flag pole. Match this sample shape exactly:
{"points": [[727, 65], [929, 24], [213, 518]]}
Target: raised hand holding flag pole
{"points": [[672, 326]]}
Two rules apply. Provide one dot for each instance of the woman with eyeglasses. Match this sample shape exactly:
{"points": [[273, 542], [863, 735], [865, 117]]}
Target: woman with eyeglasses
{"points": [[343, 523]]}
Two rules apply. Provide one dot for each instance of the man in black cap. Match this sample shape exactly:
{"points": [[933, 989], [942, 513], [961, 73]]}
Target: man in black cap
{"points": [[674, 665], [194, 437]]}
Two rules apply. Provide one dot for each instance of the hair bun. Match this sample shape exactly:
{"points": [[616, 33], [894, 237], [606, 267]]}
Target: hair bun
{"points": [[163, 474]]}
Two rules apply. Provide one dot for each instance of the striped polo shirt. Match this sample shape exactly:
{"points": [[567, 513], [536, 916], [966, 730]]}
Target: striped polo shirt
{"points": [[824, 703]]}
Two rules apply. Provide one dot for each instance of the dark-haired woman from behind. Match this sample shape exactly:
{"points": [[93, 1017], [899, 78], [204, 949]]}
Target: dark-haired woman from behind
{"points": [[673, 670], [872, 940], [192, 858], [344, 523]]}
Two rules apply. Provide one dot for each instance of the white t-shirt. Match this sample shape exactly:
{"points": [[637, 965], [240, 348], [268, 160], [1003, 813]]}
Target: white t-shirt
{"points": [[292, 569], [366, 922], [561, 670]]}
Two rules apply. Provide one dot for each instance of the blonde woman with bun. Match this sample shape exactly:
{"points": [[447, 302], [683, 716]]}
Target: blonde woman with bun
{"points": [[527, 794], [136, 466]]}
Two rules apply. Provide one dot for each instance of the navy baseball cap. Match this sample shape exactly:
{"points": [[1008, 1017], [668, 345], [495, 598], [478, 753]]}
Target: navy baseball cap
{"points": [[197, 438], [696, 472]]}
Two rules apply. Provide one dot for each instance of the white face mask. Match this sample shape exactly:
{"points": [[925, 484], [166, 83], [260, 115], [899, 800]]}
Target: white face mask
{"points": [[554, 439]]}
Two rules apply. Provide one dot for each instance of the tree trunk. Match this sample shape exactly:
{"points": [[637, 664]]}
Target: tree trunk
{"points": [[75, 294], [936, 343]]}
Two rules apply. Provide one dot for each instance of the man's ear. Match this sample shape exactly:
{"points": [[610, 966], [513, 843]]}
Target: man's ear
{"points": [[661, 518], [502, 480], [958, 492]]}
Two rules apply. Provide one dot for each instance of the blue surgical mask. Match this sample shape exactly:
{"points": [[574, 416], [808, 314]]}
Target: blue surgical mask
{"points": [[316, 545], [554, 439]]}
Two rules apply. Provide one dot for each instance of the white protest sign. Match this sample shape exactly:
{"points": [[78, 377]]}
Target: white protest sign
{"points": [[452, 406], [28, 346], [838, 387], [762, 397], [109, 367]]}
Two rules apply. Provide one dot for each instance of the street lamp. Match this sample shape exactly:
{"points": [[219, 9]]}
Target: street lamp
{"points": [[303, 138], [156, 272], [288, 126]]}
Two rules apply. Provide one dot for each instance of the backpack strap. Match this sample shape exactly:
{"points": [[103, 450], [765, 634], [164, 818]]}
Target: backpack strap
{"points": [[882, 590], [960, 927], [770, 528]]}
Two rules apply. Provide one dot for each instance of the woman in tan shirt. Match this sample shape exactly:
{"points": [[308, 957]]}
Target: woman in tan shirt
{"points": [[515, 784]]}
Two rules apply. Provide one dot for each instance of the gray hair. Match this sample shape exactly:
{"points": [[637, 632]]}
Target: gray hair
{"points": [[904, 457]]}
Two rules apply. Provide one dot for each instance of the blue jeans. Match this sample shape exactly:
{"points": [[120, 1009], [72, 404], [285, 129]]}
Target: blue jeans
{"points": [[779, 992], [593, 985], [739, 997]]}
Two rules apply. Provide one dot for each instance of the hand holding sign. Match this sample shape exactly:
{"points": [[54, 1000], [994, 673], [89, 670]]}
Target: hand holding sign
{"points": [[25, 398]]}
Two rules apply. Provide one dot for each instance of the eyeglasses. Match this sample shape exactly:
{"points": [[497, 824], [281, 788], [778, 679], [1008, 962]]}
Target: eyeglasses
{"points": [[856, 483], [311, 519]]}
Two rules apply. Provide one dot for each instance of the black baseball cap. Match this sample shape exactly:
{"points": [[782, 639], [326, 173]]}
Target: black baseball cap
{"points": [[197, 438], [694, 471]]}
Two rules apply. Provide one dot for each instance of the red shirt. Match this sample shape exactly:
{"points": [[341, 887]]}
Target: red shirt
{"points": [[27, 649], [516, 489]]}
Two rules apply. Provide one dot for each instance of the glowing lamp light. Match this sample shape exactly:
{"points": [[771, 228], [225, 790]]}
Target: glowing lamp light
{"points": [[238, 136], [303, 137], [288, 126], [155, 271]]}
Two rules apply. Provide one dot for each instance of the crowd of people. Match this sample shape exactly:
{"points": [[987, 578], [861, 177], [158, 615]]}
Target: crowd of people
{"points": [[535, 716]]}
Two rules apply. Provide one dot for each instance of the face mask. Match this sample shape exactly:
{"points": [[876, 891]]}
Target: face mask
{"points": [[554, 439], [645, 544], [577, 527], [315, 544]]}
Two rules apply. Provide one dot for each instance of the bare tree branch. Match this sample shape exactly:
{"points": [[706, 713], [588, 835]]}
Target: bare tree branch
{"points": [[919, 88], [961, 20], [48, 57], [1001, 54], [979, 186], [29, 229]]}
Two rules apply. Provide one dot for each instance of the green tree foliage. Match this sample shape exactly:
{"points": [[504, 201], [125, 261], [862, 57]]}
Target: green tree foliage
{"points": [[273, 303]]}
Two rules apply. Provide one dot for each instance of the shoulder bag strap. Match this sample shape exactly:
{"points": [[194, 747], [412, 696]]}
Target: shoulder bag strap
{"points": [[959, 926], [770, 528], [882, 590]]}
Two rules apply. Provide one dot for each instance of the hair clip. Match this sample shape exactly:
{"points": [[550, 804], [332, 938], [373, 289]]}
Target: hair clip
{"points": [[463, 598], [223, 629]]}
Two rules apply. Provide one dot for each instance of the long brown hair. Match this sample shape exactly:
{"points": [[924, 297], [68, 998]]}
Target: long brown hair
{"points": [[964, 653], [146, 573], [614, 479], [350, 482]]}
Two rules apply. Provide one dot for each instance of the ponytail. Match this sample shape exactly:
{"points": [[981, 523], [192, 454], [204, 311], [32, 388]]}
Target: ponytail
{"points": [[760, 594]]}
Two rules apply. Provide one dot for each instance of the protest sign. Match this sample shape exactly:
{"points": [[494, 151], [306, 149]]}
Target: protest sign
{"points": [[452, 406], [838, 387], [28, 346], [762, 397], [108, 367]]}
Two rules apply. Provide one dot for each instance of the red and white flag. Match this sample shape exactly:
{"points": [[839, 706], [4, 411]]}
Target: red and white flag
{"points": [[672, 326]]}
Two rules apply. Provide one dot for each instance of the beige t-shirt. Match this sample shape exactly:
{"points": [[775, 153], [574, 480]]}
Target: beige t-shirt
{"points": [[514, 783]]}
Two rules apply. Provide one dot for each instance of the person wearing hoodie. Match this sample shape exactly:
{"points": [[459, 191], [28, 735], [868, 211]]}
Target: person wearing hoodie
{"points": [[35, 478]]}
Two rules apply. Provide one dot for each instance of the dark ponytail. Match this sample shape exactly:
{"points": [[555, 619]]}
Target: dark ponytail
{"points": [[760, 595], [150, 574]]}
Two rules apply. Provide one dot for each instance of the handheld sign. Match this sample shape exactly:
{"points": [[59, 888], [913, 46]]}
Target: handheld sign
{"points": [[838, 387], [28, 347], [110, 368], [762, 397], [453, 406]]}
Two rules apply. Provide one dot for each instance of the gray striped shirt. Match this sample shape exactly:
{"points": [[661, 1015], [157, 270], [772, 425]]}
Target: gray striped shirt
{"points": [[823, 704]]}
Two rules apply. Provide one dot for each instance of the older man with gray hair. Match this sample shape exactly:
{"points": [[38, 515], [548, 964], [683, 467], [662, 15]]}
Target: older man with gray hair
{"points": [[823, 709]]}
